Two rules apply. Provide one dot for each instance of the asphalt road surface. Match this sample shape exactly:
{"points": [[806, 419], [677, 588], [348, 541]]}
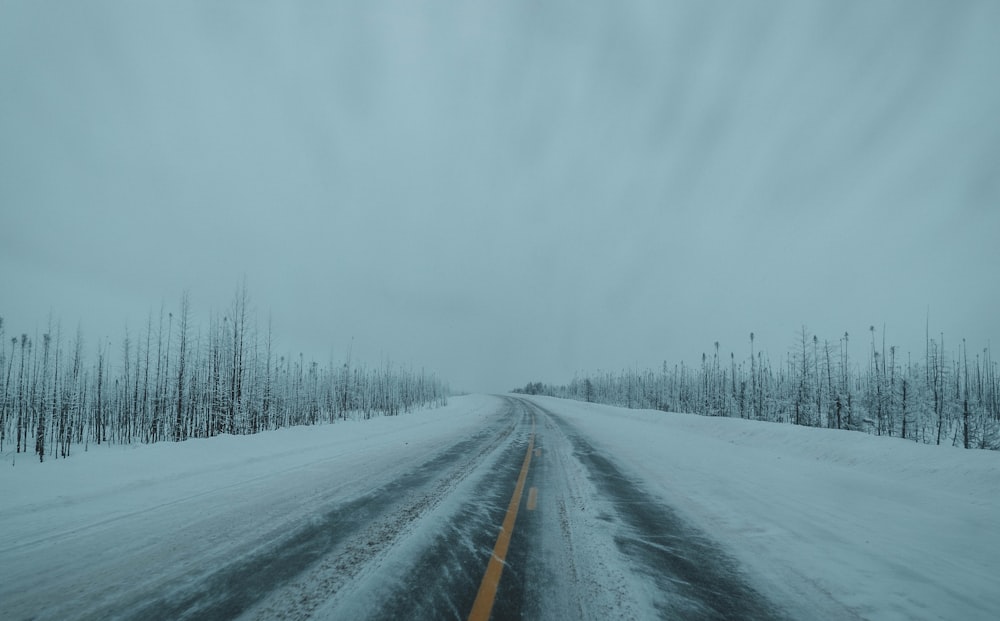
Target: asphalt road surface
{"points": [[522, 519]]}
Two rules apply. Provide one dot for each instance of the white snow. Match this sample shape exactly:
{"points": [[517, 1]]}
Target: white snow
{"points": [[831, 524], [823, 519], [70, 526]]}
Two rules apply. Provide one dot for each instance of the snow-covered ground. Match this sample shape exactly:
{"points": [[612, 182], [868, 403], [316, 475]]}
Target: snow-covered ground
{"points": [[823, 521], [888, 528], [66, 525]]}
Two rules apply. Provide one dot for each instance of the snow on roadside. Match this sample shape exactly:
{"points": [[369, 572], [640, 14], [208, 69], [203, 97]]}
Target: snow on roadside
{"points": [[835, 524], [104, 468], [173, 501], [878, 528]]}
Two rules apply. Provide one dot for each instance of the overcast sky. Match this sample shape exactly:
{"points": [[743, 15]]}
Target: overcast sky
{"points": [[505, 191]]}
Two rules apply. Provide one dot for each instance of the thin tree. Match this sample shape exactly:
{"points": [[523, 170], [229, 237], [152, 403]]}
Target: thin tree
{"points": [[42, 406], [182, 330], [5, 406], [22, 405]]}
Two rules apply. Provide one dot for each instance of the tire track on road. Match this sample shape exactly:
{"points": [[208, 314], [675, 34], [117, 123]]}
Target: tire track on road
{"points": [[336, 543], [696, 579]]}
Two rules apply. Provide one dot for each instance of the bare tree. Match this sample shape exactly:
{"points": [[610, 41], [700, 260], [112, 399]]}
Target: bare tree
{"points": [[182, 330]]}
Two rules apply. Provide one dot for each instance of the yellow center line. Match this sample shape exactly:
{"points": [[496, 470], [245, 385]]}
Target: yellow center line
{"points": [[483, 605]]}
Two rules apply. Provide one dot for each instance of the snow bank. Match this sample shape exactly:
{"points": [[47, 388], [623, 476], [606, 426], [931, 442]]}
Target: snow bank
{"points": [[139, 492], [886, 528], [833, 524], [102, 469]]}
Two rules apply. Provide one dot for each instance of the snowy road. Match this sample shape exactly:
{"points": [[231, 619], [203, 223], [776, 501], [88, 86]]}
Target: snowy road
{"points": [[620, 514], [401, 524], [586, 543]]}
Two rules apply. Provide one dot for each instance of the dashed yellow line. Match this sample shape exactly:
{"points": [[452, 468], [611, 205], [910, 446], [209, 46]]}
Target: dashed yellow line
{"points": [[483, 605]]}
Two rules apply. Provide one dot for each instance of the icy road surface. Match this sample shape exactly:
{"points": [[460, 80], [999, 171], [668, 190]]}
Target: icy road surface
{"points": [[610, 514]]}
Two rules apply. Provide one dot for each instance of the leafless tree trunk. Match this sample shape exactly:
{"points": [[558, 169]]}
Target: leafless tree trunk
{"points": [[182, 330]]}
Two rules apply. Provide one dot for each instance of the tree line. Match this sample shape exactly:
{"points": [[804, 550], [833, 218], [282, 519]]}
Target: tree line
{"points": [[173, 381], [941, 398]]}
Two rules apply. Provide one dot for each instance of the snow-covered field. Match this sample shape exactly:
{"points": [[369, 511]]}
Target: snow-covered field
{"points": [[821, 520], [888, 528]]}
